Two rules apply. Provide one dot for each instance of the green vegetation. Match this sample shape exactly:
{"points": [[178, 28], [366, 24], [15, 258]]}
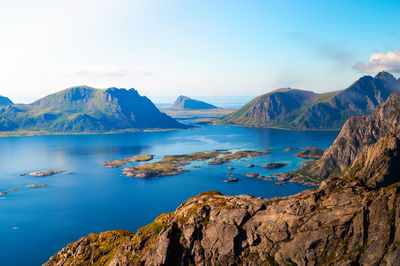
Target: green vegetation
{"points": [[43, 173], [121, 162], [170, 164], [85, 110], [310, 153], [237, 156], [306, 110]]}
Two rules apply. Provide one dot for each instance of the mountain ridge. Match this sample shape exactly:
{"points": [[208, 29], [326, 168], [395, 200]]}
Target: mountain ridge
{"points": [[85, 109], [306, 110], [5, 101]]}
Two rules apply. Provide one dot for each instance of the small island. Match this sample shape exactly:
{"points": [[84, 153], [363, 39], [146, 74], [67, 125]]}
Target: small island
{"points": [[290, 149], [43, 173], [310, 153], [250, 165], [238, 156], [171, 164], [121, 162], [231, 179], [256, 175], [36, 185], [274, 165]]}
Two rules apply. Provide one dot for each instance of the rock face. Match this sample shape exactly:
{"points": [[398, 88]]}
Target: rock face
{"points": [[85, 109], [5, 101], [351, 219], [356, 136], [299, 109], [186, 103]]}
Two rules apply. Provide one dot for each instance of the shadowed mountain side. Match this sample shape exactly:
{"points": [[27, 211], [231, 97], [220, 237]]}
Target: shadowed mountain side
{"points": [[299, 109], [85, 109]]}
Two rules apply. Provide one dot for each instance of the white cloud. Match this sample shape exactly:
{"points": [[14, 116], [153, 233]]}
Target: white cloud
{"points": [[389, 62], [96, 71]]}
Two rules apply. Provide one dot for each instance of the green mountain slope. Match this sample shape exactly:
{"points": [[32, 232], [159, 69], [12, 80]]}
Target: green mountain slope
{"points": [[85, 109], [299, 109], [186, 103]]}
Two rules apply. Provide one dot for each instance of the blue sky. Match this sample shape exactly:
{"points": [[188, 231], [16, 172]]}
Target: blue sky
{"points": [[196, 48]]}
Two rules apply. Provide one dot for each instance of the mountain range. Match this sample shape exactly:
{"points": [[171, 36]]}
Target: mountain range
{"points": [[306, 110], [186, 103], [353, 218], [85, 109], [5, 101]]}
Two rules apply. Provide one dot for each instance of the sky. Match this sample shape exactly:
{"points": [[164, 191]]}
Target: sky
{"points": [[165, 48]]}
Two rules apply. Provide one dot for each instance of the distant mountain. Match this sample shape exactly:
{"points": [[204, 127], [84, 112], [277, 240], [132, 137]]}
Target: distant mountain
{"points": [[5, 101], [85, 109], [299, 109], [186, 103]]}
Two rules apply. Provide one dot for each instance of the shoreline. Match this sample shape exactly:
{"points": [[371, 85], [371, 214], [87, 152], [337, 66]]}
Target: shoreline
{"points": [[22, 133], [280, 128]]}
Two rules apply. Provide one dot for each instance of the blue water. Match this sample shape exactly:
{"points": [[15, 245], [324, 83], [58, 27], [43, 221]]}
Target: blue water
{"points": [[37, 222]]}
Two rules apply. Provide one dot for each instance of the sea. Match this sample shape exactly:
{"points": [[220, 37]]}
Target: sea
{"points": [[35, 223]]}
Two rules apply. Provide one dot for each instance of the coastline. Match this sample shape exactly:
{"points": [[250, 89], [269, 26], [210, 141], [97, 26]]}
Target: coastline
{"points": [[281, 128], [26, 133]]}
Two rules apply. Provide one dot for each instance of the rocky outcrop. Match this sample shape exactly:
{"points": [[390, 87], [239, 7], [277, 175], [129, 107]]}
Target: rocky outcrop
{"points": [[351, 219], [186, 103], [355, 137], [299, 109]]}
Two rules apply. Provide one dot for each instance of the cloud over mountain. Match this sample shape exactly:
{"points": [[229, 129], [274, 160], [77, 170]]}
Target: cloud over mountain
{"points": [[381, 62]]}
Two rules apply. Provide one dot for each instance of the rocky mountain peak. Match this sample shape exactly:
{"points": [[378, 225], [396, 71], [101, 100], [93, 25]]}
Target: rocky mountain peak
{"points": [[385, 76]]}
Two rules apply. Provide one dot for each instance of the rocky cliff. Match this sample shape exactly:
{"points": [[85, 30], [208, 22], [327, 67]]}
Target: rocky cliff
{"points": [[298, 109], [85, 109], [357, 134], [186, 103], [351, 219]]}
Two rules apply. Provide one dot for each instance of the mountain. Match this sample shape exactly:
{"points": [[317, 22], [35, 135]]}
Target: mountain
{"points": [[186, 103], [85, 109], [351, 219], [299, 109], [5, 101], [357, 134]]}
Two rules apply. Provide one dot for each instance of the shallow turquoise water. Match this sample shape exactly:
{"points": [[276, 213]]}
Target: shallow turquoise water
{"points": [[35, 223]]}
